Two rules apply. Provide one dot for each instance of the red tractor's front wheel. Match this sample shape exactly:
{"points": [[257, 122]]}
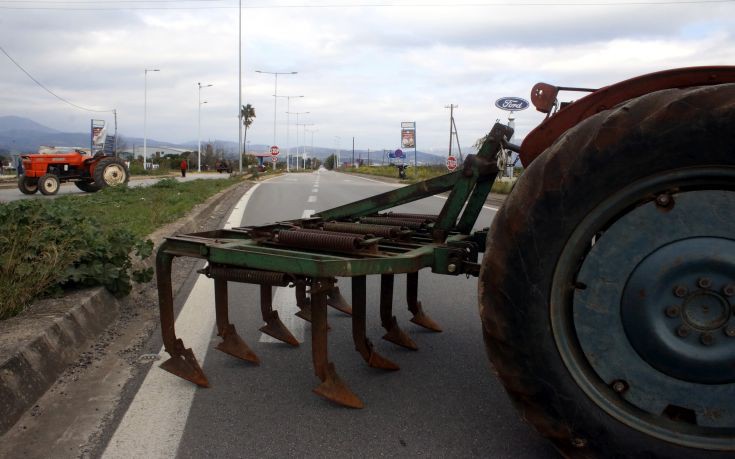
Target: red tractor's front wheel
{"points": [[607, 292], [49, 184]]}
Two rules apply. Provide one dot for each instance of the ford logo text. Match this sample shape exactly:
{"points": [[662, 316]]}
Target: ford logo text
{"points": [[511, 104]]}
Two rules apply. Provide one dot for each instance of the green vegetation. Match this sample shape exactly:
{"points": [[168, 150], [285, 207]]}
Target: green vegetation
{"points": [[413, 175], [51, 245]]}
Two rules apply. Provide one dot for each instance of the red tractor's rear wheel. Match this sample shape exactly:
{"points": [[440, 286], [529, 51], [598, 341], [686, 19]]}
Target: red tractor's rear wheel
{"points": [[49, 184], [607, 292], [27, 185], [110, 172]]}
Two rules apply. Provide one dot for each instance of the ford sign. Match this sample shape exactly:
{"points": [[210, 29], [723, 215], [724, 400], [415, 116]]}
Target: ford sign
{"points": [[511, 104]]}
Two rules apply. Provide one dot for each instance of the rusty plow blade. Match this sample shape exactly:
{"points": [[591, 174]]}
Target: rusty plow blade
{"points": [[335, 390], [275, 328], [422, 319], [397, 336], [378, 361], [235, 346], [338, 302], [185, 366]]}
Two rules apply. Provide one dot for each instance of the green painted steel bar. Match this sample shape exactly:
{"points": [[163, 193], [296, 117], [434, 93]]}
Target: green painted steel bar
{"points": [[474, 206], [452, 208], [392, 198]]}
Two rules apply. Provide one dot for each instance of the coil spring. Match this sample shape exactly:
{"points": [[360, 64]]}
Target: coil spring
{"points": [[319, 240], [248, 276], [377, 230], [427, 217], [408, 223], [358, 235]]}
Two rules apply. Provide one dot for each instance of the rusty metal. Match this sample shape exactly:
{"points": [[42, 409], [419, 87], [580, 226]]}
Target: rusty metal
{"points": [[359, 323], [407, 222], [425, 217], [394, 333], [361, 236], [273, 325], [326, 241], [337, 301], [392, 232], [231, 343], [332, 387], [547, 132], [248, 276], [302, 301], [414, 305]]}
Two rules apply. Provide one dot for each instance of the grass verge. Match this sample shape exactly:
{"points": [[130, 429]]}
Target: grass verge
{"points": [[51, 245]]}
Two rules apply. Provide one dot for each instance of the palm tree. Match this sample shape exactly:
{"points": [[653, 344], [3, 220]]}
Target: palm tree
{"points": [[247, 114]]}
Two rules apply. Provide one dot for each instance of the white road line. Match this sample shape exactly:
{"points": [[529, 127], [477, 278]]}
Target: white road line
{"points": [[307, 213], [154, 422], [494, 209], [311, 198], [284, 301], [395, 185], [315, 190]]}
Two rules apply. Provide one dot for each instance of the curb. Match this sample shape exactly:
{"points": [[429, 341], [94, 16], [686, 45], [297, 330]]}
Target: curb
{"points": [[38, 345]]}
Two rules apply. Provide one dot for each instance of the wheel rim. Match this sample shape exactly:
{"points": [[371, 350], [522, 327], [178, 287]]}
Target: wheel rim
{"points": [[114, 174], [650, 344], [50, 185]]}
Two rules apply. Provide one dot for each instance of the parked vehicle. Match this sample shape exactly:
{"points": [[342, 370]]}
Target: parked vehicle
{"points": [[46, 172]]}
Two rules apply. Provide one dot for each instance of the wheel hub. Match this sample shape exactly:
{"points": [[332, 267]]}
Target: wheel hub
{"points": [[676, 313]]}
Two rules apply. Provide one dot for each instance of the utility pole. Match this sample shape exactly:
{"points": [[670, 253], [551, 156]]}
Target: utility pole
{"points": [[353, 152], [453, 131]]}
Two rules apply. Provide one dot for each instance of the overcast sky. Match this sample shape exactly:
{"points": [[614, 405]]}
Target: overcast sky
{"points": [[363, 66]]}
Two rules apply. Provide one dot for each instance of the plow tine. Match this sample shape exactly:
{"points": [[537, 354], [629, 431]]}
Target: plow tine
{"points": [[332, 387], [414, 305], [182, 362], [338, 302], [362, 343], [395, 335], [302, 302], [273, 325], [185, 365], [231, 342]]}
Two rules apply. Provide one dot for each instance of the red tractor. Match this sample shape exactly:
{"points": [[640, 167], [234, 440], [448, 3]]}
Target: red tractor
{"points": [[46, 172]]}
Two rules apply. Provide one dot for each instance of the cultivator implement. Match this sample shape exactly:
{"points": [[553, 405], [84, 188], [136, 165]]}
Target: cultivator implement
{"points": [[355, 240]]}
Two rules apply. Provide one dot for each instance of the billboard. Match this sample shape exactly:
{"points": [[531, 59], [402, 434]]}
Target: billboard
{"points": [[98, 133], [408, 138]]}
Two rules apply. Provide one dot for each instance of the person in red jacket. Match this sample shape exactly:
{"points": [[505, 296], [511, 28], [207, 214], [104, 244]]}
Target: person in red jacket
{"points": [[184, 167]]}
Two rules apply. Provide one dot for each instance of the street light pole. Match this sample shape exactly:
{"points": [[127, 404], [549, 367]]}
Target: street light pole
{"points": [[297, 152], [145, 113], [275, 101], [199, 129], [297, 134], [312, 143], [288, 129]]}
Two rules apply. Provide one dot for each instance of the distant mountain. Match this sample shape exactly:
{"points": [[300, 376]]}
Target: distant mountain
{"points": [[16, 123]]}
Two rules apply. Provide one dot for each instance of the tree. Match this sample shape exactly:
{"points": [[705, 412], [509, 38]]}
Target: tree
{"points": [[330, 161], [247, 113]]}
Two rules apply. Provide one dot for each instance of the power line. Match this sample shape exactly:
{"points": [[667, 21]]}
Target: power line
{"points": [[47, 89], [65, 6]]}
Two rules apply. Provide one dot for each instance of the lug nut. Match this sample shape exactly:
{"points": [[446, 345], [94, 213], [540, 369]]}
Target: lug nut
{"points": [[680, 291], [730, 331], [452, 268], [619, 386], [672, 311], [682, 331], [663, 200], [707, 339], [704, 282], [579, 442], [729, 290]]}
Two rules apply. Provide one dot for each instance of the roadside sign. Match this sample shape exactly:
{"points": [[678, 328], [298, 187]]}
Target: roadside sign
{"points": [[398, 153], [274, 159], [275, 150], [451, 163]]}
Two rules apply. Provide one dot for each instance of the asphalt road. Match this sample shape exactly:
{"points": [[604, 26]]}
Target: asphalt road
{"points": [[14, 194], [444, 402]]}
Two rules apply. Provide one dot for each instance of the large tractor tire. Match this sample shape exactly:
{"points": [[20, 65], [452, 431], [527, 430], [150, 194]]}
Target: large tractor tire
{"points": [[27, 185], [88, 187], [49, 184], [607, 291], [110, 172]]}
